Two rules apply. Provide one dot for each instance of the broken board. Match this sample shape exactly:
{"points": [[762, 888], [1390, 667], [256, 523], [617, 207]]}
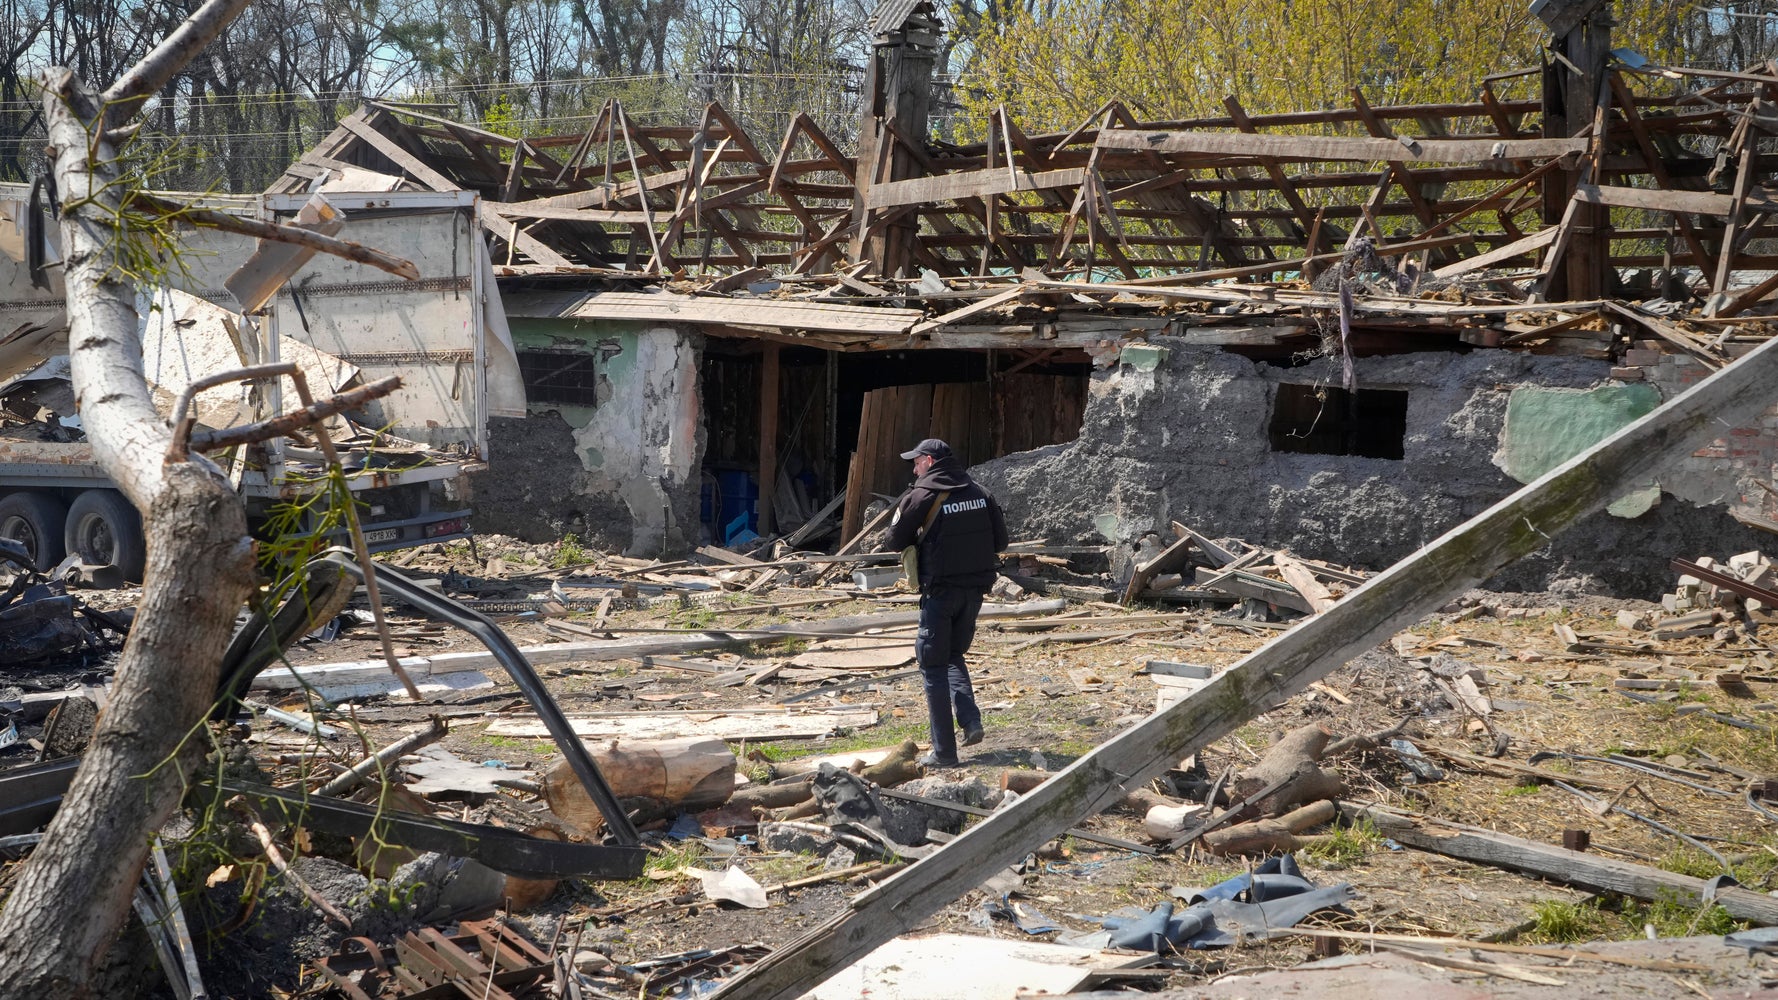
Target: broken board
{"points": [[870, 653], [945, 966], [441, 774], [766, 725]]}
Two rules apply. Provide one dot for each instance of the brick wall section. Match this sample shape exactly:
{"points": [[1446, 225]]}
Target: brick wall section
{"points": [[1727, 471]]}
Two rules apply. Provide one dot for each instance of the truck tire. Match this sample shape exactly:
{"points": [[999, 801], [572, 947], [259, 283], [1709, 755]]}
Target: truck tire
{"points": [[36, 520], [105, 530]]}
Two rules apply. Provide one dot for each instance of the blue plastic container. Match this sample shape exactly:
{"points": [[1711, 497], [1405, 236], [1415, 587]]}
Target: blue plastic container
{"points": [[740, 502]]}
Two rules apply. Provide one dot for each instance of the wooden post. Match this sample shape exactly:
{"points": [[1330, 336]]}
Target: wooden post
{"points": [[768, 436], [1575, 86], [898, 95], [1396, 598]]}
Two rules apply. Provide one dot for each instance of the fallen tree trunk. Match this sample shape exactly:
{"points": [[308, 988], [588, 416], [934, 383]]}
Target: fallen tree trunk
{"points": [[1266, 835], [1290, 765], [1576, 868], [692, 773], [1461, 559]]}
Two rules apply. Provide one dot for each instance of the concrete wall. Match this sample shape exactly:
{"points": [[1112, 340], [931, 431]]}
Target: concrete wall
{"points": [[622, 473], [1729, 470], [1189, 441]]}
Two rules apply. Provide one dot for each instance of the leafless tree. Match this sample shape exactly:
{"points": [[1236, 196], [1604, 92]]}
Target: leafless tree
{"points": [[73, 895]]}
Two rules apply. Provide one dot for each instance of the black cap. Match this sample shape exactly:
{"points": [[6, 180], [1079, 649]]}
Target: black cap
{"points": [[930, 446]]}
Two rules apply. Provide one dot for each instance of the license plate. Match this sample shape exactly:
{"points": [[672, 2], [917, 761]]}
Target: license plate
{"points": [[381, 535]]}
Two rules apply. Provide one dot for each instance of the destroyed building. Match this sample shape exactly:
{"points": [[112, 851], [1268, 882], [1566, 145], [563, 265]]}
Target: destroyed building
{"points": [[1350, 333], [1320, 341]]}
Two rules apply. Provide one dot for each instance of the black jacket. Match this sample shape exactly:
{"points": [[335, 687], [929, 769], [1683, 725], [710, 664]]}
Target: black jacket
{"points": [[962, 548]]}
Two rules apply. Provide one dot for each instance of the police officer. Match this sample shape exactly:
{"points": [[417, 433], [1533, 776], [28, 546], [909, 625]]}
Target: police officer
{"points": [[958, 531]]}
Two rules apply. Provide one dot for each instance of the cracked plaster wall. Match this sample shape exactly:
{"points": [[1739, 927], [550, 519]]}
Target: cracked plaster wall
{"points": [[1189, 441], [621, 474]]}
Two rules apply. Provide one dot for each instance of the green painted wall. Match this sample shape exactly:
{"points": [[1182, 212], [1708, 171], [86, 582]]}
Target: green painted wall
{"points": [[1546, 427]]}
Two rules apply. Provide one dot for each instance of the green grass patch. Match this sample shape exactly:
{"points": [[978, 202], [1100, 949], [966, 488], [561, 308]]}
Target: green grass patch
{"points": [[1691, 861], [569, 552], [1347, 844], [1523, 788], [518, 743], [1557, 921], [1673, 917], [671, 857]]}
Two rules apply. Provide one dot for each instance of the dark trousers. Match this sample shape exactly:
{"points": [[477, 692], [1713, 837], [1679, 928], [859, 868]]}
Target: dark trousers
{"points": [[947, 627]]}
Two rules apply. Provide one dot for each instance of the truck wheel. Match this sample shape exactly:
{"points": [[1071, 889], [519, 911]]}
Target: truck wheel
{"points": [[105, 530], [35, 521]]}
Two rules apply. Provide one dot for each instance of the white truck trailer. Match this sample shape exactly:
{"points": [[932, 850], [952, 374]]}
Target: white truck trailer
{"points": [[407, 455]]}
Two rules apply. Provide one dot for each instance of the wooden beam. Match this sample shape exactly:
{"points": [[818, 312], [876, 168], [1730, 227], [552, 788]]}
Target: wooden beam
{"points": [[969, 184], [1679, 202], [1576, 868], [401, 157], [535, 210], [1279, 180], [995, 301], [669, 307], [1541, 238], [1403, 176], [1657, 165], [1303, 147], [1396, 598]]}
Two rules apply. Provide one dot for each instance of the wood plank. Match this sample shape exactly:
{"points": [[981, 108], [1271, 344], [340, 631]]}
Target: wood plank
{"points": [[1218, 555], [1577, 868], [1679, 202], [1303, 579], [1294, 147], [401, 157], [598, 197], [1394, 599], [1541, 238], [969, 184], [748, 725], [667, 307], [1254, 587], [975, 308], [1169, 560], [534, 210]]}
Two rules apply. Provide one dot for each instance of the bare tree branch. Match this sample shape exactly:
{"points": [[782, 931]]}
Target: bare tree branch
{"points": [[398, 266], [284, 423], [147, 77]]}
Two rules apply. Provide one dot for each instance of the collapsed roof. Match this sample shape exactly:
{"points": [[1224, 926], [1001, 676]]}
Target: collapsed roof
{"points": [[1665, 192]]}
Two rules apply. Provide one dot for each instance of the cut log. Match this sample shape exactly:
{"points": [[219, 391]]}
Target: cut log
{"points": [[1136, 800], [693, 773], [1267, 835], [895, 768], [1290, 764]]}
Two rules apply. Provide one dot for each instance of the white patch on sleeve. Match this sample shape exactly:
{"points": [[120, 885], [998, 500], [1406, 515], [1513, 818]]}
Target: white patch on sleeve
{"points": [[893, 521]]}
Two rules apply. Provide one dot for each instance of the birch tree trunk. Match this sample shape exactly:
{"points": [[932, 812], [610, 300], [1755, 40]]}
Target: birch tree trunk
{"points": [[73, 895]]}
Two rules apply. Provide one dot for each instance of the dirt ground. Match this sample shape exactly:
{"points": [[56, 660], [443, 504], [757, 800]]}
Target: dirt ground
{"points": [[1048, 700]]}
